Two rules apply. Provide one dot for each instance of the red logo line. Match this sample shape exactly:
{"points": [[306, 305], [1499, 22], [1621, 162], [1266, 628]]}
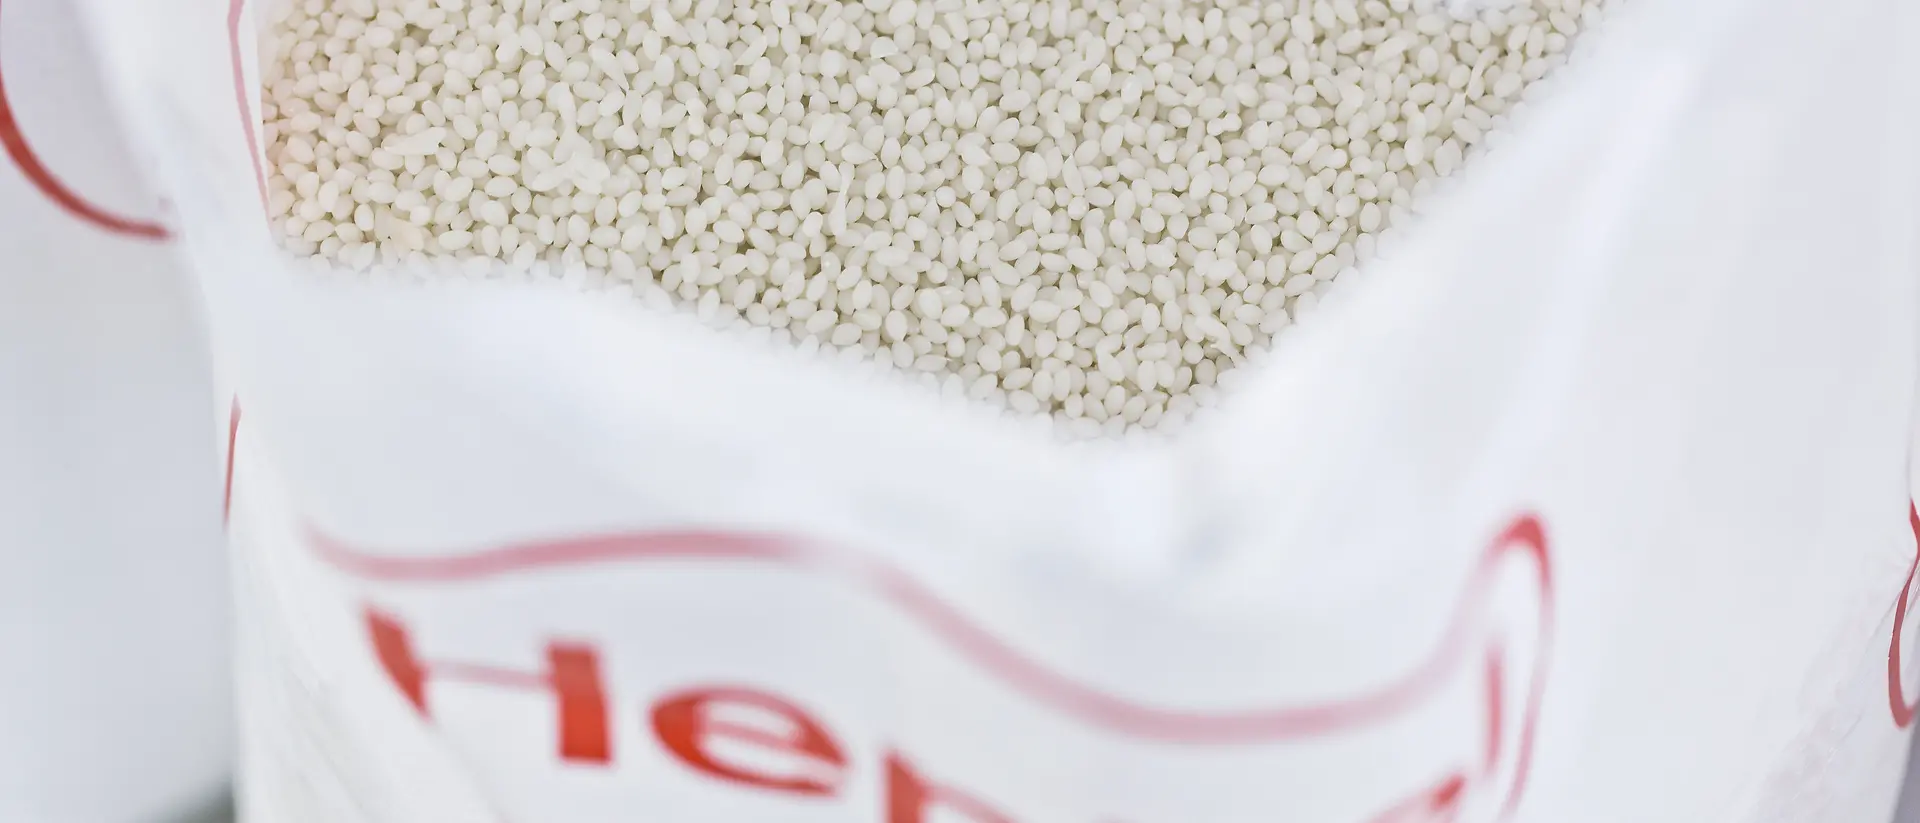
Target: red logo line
{"points": [[1903, 709], [240, 96], [1523, 538], [42, 178], [233, 443]]}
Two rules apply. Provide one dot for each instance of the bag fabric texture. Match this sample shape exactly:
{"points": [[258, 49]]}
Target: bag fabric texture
{"points": [[1591, 502]]}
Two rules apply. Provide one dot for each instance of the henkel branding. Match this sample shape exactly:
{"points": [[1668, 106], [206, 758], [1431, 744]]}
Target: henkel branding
{"points": [[732, 675]]}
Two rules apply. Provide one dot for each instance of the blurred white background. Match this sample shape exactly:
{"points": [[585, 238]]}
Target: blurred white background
{"points": [[114, 684]]}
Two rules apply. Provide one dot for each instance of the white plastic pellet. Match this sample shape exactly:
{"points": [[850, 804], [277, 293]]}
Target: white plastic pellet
{"points": [[1093, 209]]}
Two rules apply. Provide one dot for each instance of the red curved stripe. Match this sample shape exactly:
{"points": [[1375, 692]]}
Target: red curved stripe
{"points": [[1524, 537], [1441, 802], [43, 179], [233, 441], [1903, 709], [240, 96], [1543, 656]]}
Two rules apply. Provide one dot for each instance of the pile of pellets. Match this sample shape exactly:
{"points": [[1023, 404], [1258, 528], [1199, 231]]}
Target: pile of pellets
{"points": [[1085, 208]]}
